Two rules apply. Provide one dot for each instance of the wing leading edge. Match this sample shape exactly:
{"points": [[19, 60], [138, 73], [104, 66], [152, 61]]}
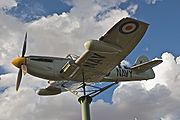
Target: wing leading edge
{"points": [[104, 54]]}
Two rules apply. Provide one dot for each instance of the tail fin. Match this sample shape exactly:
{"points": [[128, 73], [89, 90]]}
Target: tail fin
{"points": [[141, 59], [143, 65]]}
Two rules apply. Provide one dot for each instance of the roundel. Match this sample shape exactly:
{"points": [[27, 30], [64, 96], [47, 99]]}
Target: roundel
{"points": [[128, 27]]}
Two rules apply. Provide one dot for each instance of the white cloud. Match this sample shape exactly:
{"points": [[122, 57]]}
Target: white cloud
{"points": [[132, 8], [11, 37], [103, 3], [153, 1], [27, 105], [7, 3]]}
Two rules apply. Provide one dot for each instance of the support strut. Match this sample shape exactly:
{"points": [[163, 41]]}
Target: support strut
{"points": [[86, 99], [84, 85]]}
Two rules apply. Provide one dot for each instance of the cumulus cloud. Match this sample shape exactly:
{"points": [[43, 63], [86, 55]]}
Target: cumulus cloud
{"points": [[132, 8], [11, 36], [6, 4], [27, 105], [153, 1]]}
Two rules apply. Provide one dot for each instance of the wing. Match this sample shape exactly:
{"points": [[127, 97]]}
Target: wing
{"points": [[125, 33], [104, 54], [57, 87]]}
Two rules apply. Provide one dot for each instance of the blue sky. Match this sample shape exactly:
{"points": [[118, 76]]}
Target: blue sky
{"points": [[163, 34], [56, 28], [29, 10]]}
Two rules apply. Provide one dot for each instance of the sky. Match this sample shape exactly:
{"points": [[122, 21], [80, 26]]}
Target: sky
{"points": [[57, 28]]}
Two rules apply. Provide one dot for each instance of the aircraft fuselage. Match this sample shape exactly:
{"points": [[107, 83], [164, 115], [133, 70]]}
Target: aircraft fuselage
{"points": [[50, 68]]}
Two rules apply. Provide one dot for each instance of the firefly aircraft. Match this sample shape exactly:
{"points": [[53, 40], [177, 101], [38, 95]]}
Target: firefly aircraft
{"points": [[99, 63]]}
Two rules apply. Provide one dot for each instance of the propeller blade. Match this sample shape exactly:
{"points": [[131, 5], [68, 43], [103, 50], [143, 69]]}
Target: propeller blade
{"points": [[24, 45], [18, 79], [24, 69]]}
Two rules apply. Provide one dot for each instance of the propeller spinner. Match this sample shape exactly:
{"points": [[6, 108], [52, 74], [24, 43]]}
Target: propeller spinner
{"points": [[20, 63]]}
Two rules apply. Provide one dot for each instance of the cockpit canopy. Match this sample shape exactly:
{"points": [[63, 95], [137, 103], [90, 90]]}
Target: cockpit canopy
{"points": [[72, 56], [124, 66]]}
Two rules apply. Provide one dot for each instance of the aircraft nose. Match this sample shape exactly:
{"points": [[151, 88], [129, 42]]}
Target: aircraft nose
{"points": [[18, 61]]}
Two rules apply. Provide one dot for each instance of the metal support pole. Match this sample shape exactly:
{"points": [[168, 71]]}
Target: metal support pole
{"points": [[85, 101]]}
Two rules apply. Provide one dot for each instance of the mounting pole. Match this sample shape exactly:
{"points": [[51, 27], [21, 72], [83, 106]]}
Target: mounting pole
{"points": [[85, 101]]}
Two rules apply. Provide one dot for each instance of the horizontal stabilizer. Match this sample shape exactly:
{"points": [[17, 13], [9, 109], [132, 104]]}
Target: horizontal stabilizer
{"points": [[145, 66]]}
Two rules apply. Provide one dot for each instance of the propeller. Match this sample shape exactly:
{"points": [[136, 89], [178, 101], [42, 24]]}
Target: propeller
{"points": [[24, 45], [19, 77], [19, 62]]}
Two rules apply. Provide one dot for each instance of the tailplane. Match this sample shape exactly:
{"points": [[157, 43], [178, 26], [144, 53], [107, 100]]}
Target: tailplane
{"points": [[144, 66]]}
